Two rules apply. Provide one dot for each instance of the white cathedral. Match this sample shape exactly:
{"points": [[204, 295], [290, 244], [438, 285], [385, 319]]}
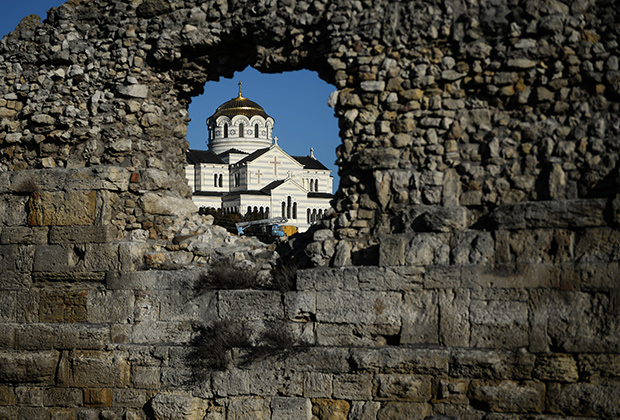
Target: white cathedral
{"points": [[246, 171]]}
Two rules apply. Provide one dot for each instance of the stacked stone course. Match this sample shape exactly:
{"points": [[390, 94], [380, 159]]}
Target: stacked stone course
{"points": [[469, 268]]}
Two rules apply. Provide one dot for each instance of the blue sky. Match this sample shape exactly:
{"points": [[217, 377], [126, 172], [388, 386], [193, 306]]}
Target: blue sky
{"points": [[296, 100]]}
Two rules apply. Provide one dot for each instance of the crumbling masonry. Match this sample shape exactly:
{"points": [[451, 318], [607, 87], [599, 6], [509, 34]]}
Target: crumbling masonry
{"points": [[470, 266]]}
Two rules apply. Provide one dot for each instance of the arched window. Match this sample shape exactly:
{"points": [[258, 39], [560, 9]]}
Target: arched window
{"points": [[313, 215], [316, 185], [255, 209], [294, 210], [288, 207], [226, 130], [221, 180], [249, 210], [320, 214], [215, 180], [241, 130], [283, 209], [256, 130], [262, 212], [266, 212], [308, 216]]}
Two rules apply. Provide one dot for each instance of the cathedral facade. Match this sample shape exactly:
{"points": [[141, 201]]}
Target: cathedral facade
{"points": [[246, 171]]}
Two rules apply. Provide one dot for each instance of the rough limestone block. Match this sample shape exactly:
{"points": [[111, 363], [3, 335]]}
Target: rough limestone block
{"points": [[8, 302], [324, 408], [231, 382], [63, 306], [317, 385], [393, 387], [491, 364], [250, 305], [156, 332], [167, 204], [573, 321], [273, 380], [556, 368], [12, 210], [355, 334], [498, 324], [40, 336], [241, 408], [100, 256], [7, 396], [584, 399], [110, 306], [286, 408], [428, 249], [509, 396], [318, 359], [412, 360], [23, 235], [551, 214], [82, 234], [328, 279], [135, 398], [300, 306], [63, 397], [420, 318], [183, 305], [177, 406], [361, 410], [71, 208], [353, 387], [7, 336], [454, 319], [404, 411], [146, 377], [597, 245], [391, 278], [472, 247], [371, 308], [392, 250], [23, 367], [56, 258], [91, 368], [16, 258]]}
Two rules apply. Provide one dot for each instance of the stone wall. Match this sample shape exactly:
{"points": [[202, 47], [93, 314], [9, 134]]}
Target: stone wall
{"points": [[469, 268]]}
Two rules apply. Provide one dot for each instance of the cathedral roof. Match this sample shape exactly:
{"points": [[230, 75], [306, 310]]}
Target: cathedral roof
{"points": [[239, 106], [254, 155], [203, 156], [309, 162]]}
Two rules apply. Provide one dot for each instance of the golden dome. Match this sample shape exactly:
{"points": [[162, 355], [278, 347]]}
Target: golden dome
{"points": [[238, 106]]}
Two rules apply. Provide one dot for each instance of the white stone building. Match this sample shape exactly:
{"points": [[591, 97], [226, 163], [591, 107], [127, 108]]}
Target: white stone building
{"points": [[245, 170]]}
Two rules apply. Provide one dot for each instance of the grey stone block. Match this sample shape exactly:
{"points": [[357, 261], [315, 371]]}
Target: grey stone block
{"points": [[317, 385], [286, 408], [24, 235], [82, 234], [398, 387], [413, 360], [250, 305], [353, 387], [328, 279], [454, 325], [359, 307], [420, 318], [24, 367]]}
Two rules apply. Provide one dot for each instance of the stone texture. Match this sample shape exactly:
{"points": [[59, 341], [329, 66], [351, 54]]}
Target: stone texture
{"points": [[475, 228]]}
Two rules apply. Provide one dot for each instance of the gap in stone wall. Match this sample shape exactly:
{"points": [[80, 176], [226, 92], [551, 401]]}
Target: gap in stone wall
{"points": [[296, 100]]}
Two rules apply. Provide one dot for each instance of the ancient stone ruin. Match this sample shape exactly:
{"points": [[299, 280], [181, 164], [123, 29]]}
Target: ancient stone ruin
{"points": [[470, 266]]}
